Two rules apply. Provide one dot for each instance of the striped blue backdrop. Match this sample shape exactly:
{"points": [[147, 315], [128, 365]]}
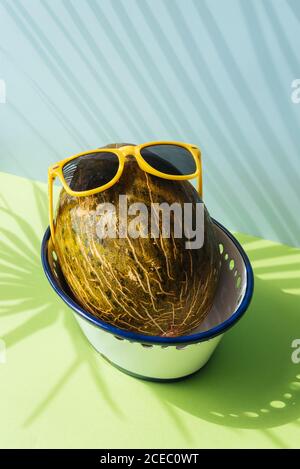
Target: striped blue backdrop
{"points": [[83, 73]]}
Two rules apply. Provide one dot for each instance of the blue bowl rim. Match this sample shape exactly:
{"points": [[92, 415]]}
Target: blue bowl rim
{"points": [[147, 339]]}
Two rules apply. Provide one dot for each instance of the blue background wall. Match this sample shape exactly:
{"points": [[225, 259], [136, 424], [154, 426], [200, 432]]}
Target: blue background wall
{"points": [[80, 74]]}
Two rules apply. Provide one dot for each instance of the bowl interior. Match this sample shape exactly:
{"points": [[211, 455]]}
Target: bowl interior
{"points": [[232, 283]]}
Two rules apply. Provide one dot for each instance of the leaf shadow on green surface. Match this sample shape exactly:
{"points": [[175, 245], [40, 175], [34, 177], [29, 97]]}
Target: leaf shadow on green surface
{"points": [[25, 292], [251, 380]]}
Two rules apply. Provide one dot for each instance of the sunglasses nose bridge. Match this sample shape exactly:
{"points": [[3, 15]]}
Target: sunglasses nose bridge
{"points": [[128, 150]]}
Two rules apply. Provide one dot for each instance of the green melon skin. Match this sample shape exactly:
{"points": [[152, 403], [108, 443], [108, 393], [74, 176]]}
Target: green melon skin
{"points": [[145, 285]]}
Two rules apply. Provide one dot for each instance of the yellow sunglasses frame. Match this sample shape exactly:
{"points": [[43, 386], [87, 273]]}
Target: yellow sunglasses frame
{"points": [[56, 170]]}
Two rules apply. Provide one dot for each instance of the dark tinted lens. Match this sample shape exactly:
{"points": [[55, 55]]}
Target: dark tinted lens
{"points": [[90, 171], [169, 159]]}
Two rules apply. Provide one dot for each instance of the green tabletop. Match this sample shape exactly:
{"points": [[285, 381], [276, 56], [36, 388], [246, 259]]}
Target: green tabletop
{"points": [[56, 390]]}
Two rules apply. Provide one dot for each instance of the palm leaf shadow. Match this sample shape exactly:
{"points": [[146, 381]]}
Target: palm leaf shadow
{"points": [[251, 381], [25, 291]]}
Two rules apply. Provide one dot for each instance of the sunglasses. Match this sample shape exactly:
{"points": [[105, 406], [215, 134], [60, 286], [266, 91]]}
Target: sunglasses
{"points": [[97, 170]]}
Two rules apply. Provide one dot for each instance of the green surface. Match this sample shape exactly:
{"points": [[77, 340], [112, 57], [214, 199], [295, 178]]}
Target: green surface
{"points": [[56, 391]]}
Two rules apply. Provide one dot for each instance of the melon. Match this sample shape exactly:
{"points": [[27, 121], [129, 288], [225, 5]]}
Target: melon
{"points": [[151, 286]]}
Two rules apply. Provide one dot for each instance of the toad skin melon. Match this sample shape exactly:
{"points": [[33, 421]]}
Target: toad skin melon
{"points": [[152, 286]]}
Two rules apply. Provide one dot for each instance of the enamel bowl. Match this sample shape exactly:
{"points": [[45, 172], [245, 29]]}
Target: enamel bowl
{"points": [[165, 358]]}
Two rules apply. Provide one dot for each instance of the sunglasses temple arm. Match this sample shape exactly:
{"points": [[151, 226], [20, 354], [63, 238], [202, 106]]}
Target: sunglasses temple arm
{"points": [[199, 186], [200, 181], [50, 201]]}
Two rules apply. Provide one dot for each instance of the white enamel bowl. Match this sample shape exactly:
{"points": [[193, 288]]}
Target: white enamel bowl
{"points": [[165, 358]]}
